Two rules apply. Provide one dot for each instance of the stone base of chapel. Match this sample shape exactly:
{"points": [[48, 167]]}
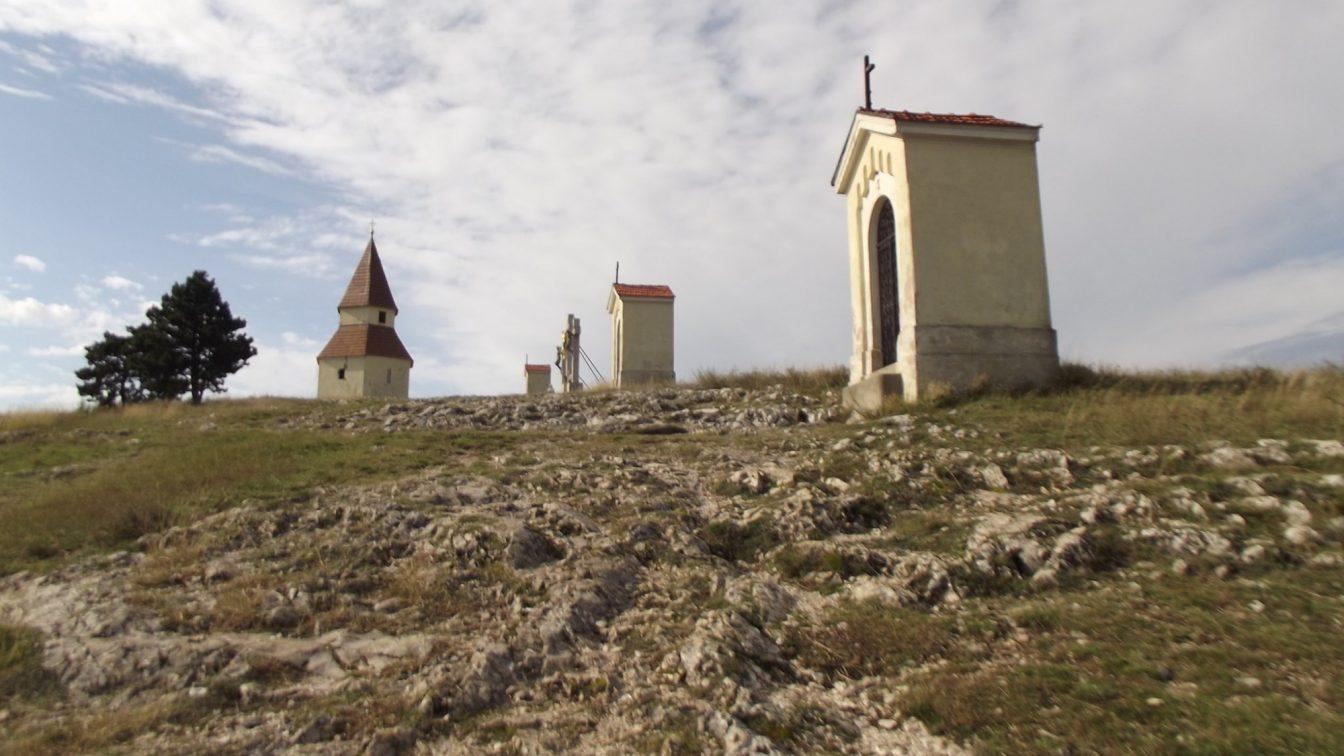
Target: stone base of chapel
{"points": [[633, 378], [872, 394], [951, 360]]}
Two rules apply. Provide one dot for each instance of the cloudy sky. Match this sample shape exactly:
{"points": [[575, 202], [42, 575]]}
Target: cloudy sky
{"points": [[1191, 163]]}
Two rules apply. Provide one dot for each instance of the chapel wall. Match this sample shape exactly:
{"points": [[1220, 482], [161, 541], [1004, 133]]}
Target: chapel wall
{"points": [[538, 382], [978, 242], [329, 386], [360, 315], [375, 377], [646, 341]]}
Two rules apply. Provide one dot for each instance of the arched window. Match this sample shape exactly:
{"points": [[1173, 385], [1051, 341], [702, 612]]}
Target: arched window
{"points": [[888, 305]]}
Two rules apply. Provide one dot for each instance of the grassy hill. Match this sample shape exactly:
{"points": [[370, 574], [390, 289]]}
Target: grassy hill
{"points": [[1126, 562]]}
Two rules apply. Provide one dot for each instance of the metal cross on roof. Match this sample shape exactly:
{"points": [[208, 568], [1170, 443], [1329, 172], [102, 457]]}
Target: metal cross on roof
{"points": [[868, 83]]}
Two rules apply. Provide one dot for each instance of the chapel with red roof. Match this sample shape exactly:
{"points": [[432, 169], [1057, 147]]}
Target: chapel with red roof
{"points": [[641, 334], [365, 358], [946, 255]]}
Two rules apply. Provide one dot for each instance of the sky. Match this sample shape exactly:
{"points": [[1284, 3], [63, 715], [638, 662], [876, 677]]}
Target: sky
{"points": [[1192, 172]]}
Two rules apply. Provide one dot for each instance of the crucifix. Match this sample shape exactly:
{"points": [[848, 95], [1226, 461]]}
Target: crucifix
{"points": [[868, 83], [370, 228]]}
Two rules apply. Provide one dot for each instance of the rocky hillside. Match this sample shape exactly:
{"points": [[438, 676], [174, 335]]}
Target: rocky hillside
{"points": [[680, 571]]}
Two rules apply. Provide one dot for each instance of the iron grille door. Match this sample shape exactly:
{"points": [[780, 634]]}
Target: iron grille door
{"points": [[889, 311]]}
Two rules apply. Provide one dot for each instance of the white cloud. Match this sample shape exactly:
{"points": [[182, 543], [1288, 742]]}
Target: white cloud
{"points": [[29, 311], [694, 142], [122, 93], [26, 395], [31, 58], [31, 263], [286, 369], [120, 283], [28, 94], [218, 153], [73, 350]]}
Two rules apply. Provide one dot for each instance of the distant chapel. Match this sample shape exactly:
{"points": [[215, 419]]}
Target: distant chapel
{"points": [[364, 358]]}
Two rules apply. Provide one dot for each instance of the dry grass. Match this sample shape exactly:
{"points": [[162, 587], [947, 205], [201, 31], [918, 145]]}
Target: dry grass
{"points": [[167, 566], [22, 676], [428, 587], [799, 381], [1106, 407], [105, 730], [856, 639], [1095, 659]]}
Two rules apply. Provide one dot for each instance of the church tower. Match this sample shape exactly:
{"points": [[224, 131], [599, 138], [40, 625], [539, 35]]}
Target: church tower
{"points": [[364, 358]]}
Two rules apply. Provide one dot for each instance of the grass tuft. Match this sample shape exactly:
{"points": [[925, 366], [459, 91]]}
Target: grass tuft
{"points": [[796, 380]]}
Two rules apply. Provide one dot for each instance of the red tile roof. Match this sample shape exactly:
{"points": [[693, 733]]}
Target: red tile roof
{"points": [[368, 286], [650, 291], [365, 340], [970, 119], [537, 368]]}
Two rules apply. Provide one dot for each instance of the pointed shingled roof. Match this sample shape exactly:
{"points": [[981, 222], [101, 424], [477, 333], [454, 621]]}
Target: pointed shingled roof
{"points": [[365, 340], [368, 286]]}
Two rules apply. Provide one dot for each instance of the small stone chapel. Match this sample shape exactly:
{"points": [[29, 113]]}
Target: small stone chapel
{"points": [[946, 256], [365, 358], [641, 334]]}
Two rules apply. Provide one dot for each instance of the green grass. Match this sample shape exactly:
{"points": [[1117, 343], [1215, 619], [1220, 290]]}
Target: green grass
{"points": [[177, 472], [21, 674], [739, 543], [796, 562], [1095, 658], [1099, 408]]}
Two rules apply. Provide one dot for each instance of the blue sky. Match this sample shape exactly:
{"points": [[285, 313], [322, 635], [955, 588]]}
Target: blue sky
{"points": [[1191, 169]]}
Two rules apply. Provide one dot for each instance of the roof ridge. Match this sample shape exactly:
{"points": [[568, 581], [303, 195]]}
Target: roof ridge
{"points": [[963, 119]]}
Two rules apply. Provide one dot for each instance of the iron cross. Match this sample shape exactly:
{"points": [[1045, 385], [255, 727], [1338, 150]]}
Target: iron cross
{"points": [[868, 83]]}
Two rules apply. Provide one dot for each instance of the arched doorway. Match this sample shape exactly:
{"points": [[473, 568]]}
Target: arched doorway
{"points": [[889, 311]]}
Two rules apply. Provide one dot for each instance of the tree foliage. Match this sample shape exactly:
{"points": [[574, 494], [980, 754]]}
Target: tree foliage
{"points": [[108, 377], [190, 344]]}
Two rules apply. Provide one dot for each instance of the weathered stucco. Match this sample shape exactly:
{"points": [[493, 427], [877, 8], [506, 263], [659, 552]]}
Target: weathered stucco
{"points": [[364, 377], [972, 292], [538, 382], [357, 315], [641, 341]]}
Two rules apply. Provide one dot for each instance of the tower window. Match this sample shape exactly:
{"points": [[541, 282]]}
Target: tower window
{"points": [[389, 375], [382, 316], [340, 374]]}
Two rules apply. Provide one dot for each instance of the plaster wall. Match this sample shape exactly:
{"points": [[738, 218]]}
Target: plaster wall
{"points": [[329, 386], [364, 377], [978, 241], [387, 377], [538, 383], [358, 315], [642, 341]]}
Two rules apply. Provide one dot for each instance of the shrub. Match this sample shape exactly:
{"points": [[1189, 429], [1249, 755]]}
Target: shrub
{"points": [[739, 543]]}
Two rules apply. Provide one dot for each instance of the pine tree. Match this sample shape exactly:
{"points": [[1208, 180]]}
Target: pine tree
{"points": [[191, 343], [156, 362], [109, 377]]}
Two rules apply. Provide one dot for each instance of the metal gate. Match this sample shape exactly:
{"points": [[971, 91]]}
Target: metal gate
{"points": [[888, 308]]}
